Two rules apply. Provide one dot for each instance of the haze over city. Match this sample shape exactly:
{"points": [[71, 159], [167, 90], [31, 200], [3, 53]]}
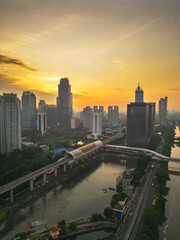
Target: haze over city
{"points": [[104, 47]]}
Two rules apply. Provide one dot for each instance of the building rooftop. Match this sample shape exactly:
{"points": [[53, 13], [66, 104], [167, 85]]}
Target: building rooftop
{"points": [[127, 175], [54, 229]]}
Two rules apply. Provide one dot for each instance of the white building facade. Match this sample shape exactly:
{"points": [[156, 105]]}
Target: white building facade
{"points": [[97, 124]]}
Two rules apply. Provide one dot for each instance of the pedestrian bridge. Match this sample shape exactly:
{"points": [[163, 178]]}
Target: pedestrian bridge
{"points": [[139, 151]]}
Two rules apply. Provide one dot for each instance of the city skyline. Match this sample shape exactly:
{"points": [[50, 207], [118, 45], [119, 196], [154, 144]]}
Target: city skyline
{"points": [[104, 48]]}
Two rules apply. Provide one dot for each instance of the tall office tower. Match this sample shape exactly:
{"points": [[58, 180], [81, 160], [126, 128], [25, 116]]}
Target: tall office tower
{"points": [[29, 112], [42, 116], [95, 109], [113, 115], [101, 109], [116, 114], [64, 102], [110, 115], [138, 94], [86, 117], [97, 124], [10, 123], [163, 111], [140, 123], [52, 116]]}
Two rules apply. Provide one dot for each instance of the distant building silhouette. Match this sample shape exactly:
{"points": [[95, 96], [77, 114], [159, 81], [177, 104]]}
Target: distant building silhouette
{"points": [[139, 94], [10, 123], [113, 115], [140, 121], [52, 120], [64, 102], [86, 117], [42, 116], [95, 109], [99, 109], [29, 112], [163, 111], [97, 124]]}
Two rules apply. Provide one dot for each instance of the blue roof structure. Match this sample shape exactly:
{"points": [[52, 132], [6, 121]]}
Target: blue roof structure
{"points": [[59, 150]]}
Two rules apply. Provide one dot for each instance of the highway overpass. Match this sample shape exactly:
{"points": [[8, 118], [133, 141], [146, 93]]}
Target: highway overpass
{"points": [[139, 151]]}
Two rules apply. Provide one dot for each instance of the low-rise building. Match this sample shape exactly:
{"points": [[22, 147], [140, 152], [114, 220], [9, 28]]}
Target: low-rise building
{"points": [[54, 232], [124, 180], [120, 209]]}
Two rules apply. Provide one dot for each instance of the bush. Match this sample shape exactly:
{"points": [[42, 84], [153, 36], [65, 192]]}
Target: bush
{"points": [[72, 226], [61, 223], [22, 235], [95, 217], [108, 212]]}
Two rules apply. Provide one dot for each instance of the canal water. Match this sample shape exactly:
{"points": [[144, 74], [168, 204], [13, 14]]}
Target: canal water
{"points": [[171, 229], [77, 199]]}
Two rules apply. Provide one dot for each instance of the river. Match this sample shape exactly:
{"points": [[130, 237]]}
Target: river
{"points": [[171, 229], [77, 199]]}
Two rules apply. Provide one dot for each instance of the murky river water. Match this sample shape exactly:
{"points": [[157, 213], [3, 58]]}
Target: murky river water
{"points": [[77, 199]]}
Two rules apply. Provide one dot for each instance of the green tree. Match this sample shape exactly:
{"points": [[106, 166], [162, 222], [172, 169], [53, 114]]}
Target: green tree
{"points": [[21, 235], [72, 226], [108, 212], [61, 223], [95, 217]]}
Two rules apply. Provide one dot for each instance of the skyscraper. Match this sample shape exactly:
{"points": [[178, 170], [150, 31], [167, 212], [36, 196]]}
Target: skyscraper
{"points": [[51, 115], [86, 117], [113, 115], [95, 109], [140, 121], [10, 123], [139, 94], [163, 111], [64, 102], [97, 124], [29, 112], [42, 116]]}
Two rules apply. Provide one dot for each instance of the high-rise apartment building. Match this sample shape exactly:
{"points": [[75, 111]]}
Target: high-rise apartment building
{"points": [[42, 116], [101, 109], [52, 116], [139, 94], [113, 115], [140, 122], [163, 111], [86, 117], [64, 102], [10, 123], [95, 109], [97, 124], [29, 112]]}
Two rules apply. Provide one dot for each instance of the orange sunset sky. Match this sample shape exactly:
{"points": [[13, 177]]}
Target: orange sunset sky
{"points": [[104, 47]]}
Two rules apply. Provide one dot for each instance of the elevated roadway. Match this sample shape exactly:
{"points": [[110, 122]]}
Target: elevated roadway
{"points": [[139, 151], [68, 160]]}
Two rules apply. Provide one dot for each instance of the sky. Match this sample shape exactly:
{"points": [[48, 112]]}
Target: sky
{"points": [[104, 47]]}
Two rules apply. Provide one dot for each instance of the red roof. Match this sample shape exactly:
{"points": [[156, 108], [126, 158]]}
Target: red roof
{"points": [[54, 229]]}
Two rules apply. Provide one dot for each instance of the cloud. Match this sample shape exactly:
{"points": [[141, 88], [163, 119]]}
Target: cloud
{"points": [[81, 96], [121, 89], [16, 62], [174, 89]]}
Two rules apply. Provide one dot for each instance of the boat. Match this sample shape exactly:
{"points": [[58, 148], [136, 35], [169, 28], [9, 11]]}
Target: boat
{"points": [[112, 189]]}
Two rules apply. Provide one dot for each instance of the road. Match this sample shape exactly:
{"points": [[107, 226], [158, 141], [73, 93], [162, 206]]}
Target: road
{"points": [[143, 197]]}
